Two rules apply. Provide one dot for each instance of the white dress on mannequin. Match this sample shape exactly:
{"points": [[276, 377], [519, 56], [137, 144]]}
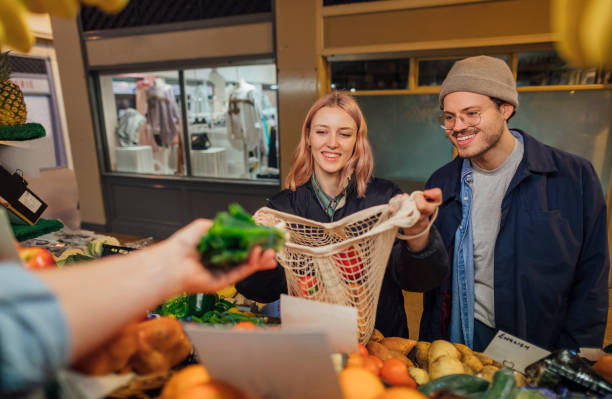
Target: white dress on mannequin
{"points": [[244, 117]]}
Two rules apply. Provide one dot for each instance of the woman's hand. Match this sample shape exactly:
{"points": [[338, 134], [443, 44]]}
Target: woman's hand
{"points": [[426, 202], [179, 256]]}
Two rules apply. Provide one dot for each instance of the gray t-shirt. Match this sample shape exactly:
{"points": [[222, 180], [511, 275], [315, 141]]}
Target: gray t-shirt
{"points": [[488, 191]]}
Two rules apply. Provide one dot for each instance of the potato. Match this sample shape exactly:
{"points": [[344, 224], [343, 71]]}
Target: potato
{"points": [[378, 350], [521, 380], [471, 364], [445, 365], [402, 345], [420, 376], [464, 350], [377, 336], [441, 348], [488, 372], [485, 360], [421, 354]]}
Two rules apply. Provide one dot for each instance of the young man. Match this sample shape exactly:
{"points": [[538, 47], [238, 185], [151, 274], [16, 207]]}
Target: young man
{"points": [[524, 224]]}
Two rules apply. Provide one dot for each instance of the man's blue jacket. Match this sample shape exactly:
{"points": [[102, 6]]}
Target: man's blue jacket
{"points": [[551, 254]]}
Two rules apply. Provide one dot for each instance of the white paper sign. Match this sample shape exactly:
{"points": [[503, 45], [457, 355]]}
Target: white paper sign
{"points": [[338, 322], [513, 352], [268, 364]]}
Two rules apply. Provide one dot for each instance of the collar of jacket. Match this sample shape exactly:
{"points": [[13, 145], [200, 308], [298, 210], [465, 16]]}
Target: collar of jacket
{"points": [[537, 158]]}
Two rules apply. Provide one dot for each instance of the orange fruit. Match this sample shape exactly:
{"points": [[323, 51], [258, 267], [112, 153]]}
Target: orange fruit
{"points": [[401, 393], [363, 350], [184, 380], [371, 365], [355, 360], [376, 359], [245, 325], [211, 390], [357, 383], [603, 367], [395, 372]]}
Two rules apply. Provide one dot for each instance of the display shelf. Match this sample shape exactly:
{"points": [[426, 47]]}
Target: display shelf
{"points": [[27, 131]]}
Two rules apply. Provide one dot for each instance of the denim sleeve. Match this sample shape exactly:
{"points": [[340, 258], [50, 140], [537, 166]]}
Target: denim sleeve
{"points": [[33, 330]]}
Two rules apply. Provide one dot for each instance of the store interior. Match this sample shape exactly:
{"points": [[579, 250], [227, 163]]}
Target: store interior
{"points": [[157, 114]]}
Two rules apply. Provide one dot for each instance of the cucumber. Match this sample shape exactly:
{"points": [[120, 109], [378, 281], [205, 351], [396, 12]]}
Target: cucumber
{"points": [[460, 384], [503, 385]]}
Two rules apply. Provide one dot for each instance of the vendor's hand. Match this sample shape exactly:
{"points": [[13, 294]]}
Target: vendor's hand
{"points": [[179, 256], [426, 202]]}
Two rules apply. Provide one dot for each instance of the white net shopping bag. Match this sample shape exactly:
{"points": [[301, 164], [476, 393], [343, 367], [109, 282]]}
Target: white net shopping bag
{"points": [[342, 262]]}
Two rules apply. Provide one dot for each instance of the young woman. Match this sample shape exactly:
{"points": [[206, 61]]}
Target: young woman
{"points": [[332, 178]]}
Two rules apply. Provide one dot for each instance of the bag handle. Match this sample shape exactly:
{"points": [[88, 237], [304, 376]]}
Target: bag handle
{"points": [[431, 221]]}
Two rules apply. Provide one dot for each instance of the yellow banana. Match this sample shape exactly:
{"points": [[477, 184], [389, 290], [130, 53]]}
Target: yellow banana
{"points": [[565, 21], [13, 15], [108, 6], [596, 33], [58, 8]]}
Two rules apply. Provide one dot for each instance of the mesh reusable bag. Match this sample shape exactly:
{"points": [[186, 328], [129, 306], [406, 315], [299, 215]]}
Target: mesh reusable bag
{"points": [[342, 262]]}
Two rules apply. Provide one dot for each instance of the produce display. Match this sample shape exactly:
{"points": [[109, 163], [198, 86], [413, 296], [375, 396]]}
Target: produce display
{"points": [[233, 235], [150, 346], [206, 309]]}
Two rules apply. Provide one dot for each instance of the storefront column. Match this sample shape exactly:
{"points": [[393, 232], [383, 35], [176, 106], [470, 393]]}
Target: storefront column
{"points": [[80, 124], [297, 71]]}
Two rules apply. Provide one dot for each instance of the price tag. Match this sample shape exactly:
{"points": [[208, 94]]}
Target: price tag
{"points": [[268, 364], [513, 352]]}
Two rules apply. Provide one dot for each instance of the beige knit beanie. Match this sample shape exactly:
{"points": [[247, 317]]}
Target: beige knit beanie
{"points": [[483, 75]]}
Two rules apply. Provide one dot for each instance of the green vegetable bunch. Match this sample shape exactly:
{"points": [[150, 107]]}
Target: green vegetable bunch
{"points": [[233, 235]]}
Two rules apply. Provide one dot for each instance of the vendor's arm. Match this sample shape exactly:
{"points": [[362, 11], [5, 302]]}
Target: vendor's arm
{"points": [[421, 263], [587, 311], [101, 296], [33, 330]]}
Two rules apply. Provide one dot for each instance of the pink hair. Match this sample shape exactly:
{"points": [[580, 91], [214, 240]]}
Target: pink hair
{"points": [[361, 163]]}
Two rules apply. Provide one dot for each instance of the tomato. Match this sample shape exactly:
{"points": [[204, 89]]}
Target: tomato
{"points": [[308, 286], [395, 372], [36, 258], [363, 350], [350, 263], [246, 325]]}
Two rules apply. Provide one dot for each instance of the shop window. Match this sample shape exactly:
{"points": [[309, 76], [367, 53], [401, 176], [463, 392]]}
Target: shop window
{"points": [[576, 121], [142, 118], [546, 68], [232, 122], [406, 138], [370, 75], [433, 72]]}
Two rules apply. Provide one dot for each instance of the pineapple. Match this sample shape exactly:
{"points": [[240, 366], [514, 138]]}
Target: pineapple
{"points": [[12, 107]]}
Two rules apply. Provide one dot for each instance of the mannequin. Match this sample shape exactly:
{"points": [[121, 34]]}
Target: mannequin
{"points": [[129, 125], [244, 116], [163, 117]]}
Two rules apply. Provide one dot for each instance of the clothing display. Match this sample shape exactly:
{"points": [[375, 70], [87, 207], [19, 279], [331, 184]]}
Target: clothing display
{"points": [[244, 125], [406, 270], [33, 322], [128, 127], [162, 112], [551, 256]]}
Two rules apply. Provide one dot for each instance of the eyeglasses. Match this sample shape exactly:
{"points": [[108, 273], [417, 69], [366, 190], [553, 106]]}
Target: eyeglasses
{"points": [[470, 118]]}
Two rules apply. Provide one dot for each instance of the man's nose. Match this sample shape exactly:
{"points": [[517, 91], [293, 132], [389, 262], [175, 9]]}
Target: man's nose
{"points": [[459, 124]]}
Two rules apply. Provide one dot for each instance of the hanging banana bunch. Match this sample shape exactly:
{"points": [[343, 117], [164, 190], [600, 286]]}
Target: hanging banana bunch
{"points": [[584, 31], [14, 30]]}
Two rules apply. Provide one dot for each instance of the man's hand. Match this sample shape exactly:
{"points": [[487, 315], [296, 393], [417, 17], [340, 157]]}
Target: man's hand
{"points": [[181, 260], [426, 202]]}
